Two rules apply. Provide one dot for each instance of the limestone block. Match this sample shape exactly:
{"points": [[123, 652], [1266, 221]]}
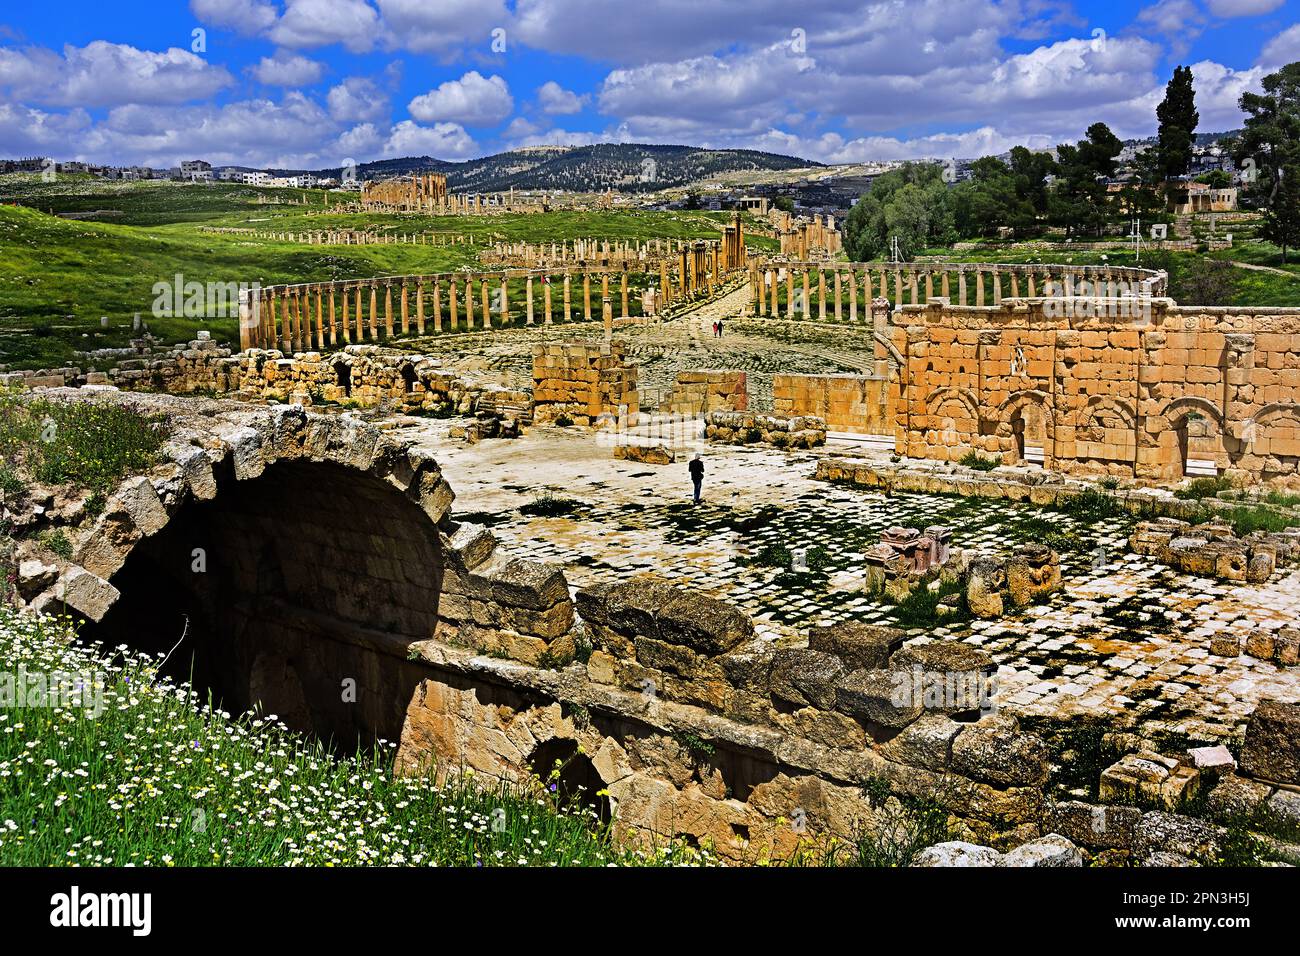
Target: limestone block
{"points": [[858, 645], [806, 678], [957, 853], [1091, 825], [994, 750], [877, 697], [1149, 777], [1052, 850], [1272, 747]]}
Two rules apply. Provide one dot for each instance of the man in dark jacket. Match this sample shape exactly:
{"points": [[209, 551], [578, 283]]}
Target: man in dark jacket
{"points": [[696, 468]]}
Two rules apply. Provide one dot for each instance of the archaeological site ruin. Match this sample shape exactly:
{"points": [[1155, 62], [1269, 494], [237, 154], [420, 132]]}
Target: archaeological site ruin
{"points": [[938, 560]]}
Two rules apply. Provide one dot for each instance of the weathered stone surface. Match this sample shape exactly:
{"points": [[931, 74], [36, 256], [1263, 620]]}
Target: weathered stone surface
{"points": [[1212, 760], [996, 751], [1098, 827], [1157, 831], [1149, 777], [704, 624], [1272, 747], [1235, 796], [1050, 850], [944, 657], [35, 576], [806, 677], [137, 498], [926, 743], [519, 582], [874, 696], [957, 853], [86, 593], [860, 646], [984, 586], [471, 545]]}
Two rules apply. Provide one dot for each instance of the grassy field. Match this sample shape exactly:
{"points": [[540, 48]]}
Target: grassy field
{"points": [[58, 277], [129, 769]]}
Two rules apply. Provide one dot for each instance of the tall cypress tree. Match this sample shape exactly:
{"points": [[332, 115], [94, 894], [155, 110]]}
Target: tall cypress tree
{"points": [[1178, 120]]}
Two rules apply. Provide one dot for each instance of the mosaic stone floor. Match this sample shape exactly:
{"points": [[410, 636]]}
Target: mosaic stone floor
{"points": [[1126, 638]]}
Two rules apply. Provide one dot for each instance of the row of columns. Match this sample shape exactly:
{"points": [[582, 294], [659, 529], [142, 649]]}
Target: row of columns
{"points": [[909, 285], [303, 317]]}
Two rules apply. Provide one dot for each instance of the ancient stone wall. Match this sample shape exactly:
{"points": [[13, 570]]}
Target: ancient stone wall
{"points": [[583, 381], [1125, 386], [848, 403], [699, 391]]}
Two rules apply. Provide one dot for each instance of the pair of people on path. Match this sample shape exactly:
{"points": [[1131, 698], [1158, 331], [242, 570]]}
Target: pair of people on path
{"points": [[717, 328]]}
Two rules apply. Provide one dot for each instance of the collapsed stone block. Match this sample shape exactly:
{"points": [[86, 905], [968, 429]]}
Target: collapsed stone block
{"points": [[858, 645], [806, 678], [1272, 747], [1149, 777], [874, 696], [997, 752]]}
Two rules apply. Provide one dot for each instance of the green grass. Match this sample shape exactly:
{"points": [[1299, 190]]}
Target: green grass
{"points": [[59, 276], [547, 505], [157, 778], [973, 459], [1199, 488], [90, 445]]}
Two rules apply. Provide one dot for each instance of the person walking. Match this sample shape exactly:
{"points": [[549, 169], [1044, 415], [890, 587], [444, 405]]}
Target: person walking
{"points": [[696, 468], [719, 328]]}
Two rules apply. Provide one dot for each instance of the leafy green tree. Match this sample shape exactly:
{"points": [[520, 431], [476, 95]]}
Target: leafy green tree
{"points": [[1281, 224], [784, 203], [1215, 179], [1079, 200], [1270, 140], [1032, 170], [910, 203], [1178, 121], [993, 198]]}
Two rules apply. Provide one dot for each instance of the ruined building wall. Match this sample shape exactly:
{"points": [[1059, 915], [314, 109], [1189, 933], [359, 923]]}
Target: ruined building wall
{"points": [[584, 381], [1122, 386], [708, 390], [848, 403]]}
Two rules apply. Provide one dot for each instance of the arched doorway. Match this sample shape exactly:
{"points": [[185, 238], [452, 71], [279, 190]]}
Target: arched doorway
{"points": [[296, 593]]}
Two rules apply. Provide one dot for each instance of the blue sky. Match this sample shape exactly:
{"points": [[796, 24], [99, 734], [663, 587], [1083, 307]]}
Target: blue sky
{"points": [[319, 82]]}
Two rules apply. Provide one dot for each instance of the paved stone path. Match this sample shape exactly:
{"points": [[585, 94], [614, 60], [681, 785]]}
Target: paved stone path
{"points": [[1126, 639]]}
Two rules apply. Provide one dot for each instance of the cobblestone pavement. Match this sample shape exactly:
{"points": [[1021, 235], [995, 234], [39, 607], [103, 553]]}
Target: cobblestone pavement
{"points": [[1126, 638]]}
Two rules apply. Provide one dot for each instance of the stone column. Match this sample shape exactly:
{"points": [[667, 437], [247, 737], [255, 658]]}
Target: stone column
{"points": [[997, 287], [961, 286], [406, 315], [607, 313], [419, 306], [546, 298], [1015, 285], [320, 319], [898, 287], [437, 305], [334, 330], [505, 299], [528, 299], [853, 297], [484, 295], [586, 296], [568, 299], [360, 332], [374, 311], [623, 290], [807, 300], [912, 287], [388, 310], [839, 298], [979, 286], [789, 292], [821, 295], [929, 285], [452, 293]]}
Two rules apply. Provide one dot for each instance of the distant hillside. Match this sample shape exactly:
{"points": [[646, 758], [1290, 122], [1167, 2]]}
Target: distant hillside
{"points": [[618, 166]]}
